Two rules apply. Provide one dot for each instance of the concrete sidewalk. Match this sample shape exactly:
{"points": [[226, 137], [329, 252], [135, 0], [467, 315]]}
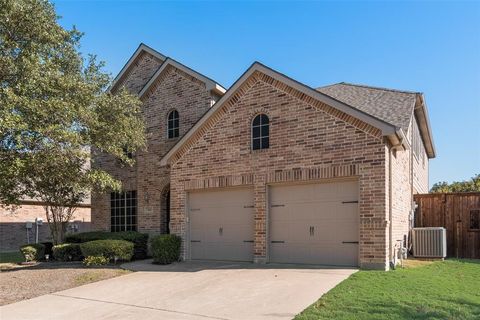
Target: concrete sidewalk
{"points": [[188, 290]]}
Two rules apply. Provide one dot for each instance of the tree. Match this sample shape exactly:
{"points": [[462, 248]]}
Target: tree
{"points": [[54, 107], [472, 185]]}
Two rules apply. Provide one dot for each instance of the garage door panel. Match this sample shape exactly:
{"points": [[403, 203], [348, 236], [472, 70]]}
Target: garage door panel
{"points": [[222, 224], [313, 222]]}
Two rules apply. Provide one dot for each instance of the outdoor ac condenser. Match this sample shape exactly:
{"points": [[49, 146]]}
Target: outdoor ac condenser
{"points": [[429, 242]]}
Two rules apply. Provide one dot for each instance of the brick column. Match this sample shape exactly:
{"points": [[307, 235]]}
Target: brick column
{"points": [[260, 200]]}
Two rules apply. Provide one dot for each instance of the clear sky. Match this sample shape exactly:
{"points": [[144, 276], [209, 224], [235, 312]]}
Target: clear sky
{"points": [[431, 47]]}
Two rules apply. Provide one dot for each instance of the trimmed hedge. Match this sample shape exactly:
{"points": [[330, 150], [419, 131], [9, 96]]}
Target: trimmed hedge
{"points": [[140, 240], [67, 252], [166, 248], [110, 249], [95, 261], [33, 251]]}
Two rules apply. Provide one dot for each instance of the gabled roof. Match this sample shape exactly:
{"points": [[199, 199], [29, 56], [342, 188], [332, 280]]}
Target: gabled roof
{"points": [[393, 106], [165, 62], [141, 48], [209, 83], [387, 129]]}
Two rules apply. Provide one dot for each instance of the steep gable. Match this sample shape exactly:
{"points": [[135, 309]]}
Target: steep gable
{"points": [[138, 70], [259, 72]]}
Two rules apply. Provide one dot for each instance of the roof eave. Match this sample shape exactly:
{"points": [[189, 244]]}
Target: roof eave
{"points": [[142, 47], [386, 128], [210, 85], [421, 113]]}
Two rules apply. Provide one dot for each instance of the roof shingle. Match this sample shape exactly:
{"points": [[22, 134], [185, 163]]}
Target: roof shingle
{"points": [[392, 106]]}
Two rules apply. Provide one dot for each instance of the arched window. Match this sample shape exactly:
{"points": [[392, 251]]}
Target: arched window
{"points": [[173, 124], [260, 132]]}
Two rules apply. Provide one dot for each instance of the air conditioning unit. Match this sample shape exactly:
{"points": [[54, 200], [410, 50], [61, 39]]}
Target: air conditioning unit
{"points": [[429, 242]]}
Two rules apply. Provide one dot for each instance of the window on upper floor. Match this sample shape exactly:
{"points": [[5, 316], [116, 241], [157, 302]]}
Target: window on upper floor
{"points": [[260, 132], [173, 124]]}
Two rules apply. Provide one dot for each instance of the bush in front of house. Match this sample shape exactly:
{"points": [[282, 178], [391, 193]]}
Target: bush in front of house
{"points": [[33, 251], [95, 261], [166, 248], [140, 240], [113, 250], [67, 252]]}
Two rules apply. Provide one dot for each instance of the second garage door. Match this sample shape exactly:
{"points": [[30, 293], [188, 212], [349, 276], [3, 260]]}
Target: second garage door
{"points": [[221, 224], [314, 224]]}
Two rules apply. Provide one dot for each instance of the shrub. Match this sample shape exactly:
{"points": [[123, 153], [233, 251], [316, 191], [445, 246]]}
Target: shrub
{"points": [[33, 252], [140, 240], [95, 261], [67, 252], [110, 249], [166, 248], [48, 248]]}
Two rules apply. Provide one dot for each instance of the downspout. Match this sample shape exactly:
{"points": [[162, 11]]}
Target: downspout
{"points": [[390, 200]]}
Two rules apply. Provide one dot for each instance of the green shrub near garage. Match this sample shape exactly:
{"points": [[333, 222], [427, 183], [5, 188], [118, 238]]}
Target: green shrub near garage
{"points": [[113, 250], [67, 252], [166, 248], [140, 240], [33, 251]]}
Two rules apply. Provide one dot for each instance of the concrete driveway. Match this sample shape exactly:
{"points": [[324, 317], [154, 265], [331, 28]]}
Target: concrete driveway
{"points": [[188, 290]]}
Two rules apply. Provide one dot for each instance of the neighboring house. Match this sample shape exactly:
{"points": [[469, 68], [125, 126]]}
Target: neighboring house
{"points": [[270, 170], [17, 224]]}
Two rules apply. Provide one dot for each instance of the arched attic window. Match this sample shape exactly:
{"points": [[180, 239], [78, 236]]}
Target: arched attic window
{"points": [[173, 124], [260, 132]]}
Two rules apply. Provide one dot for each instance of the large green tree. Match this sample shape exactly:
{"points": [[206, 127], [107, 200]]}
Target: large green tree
{"points": [[472, 185], [55, 107]]}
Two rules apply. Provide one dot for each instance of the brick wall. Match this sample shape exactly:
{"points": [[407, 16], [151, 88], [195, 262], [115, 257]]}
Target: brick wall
{"points": [[309, 140], [13, 233], [173, 89]]}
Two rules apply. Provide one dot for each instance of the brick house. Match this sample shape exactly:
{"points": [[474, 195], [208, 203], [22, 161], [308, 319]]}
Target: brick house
{"points": [[270, 170], [17, 224]]}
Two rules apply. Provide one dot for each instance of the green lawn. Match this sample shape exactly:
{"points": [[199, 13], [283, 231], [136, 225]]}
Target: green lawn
{"points": [[441, 290], [11, 257]]}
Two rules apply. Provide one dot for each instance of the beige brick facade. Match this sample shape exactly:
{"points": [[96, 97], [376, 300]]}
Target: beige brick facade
{"points": [[310, 140], [173, 89], [306, 143]]}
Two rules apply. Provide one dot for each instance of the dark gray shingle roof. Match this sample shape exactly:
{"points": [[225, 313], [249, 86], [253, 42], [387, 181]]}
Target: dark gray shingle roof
{"points": [[392, 106]]}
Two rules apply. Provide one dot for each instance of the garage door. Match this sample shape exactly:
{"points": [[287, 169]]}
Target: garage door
{"points": [[314, 224], [221, 225]]}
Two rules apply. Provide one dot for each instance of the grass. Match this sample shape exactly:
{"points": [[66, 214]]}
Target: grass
{"points": [[96, 275], [423, 290], [11, 257]]}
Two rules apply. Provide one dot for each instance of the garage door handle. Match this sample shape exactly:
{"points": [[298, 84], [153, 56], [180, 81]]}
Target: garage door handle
{"points": [[355, 201], [249, 241], [248, 207], [350, 242], [277, 205], [278, 241], [194, 240]]}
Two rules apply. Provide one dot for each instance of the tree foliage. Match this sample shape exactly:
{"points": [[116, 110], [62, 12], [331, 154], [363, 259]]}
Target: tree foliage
{"points": [[472, 185], [55, 107]]}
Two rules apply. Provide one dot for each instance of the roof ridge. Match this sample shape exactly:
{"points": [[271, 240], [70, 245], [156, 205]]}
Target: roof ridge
{"points": [[374, 87]]}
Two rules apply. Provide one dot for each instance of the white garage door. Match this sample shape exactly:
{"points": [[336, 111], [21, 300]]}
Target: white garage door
{"points": [[314, 224], [221, 224]]}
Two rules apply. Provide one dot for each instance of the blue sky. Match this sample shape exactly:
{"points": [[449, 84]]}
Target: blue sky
{"points": [[432, 47]]}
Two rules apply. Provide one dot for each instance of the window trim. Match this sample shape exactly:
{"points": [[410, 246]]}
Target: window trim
{"points": [[260, 137], [175, 130]]}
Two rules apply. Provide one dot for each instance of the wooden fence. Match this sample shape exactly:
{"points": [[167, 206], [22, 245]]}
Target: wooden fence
{"points": [[459, 213]]}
